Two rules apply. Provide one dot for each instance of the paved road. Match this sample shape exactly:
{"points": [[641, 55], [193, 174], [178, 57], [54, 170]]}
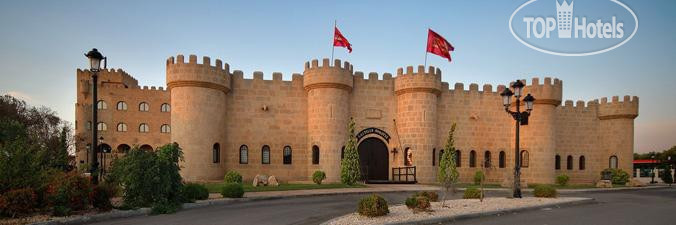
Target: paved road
{"points": [[626, 207]]}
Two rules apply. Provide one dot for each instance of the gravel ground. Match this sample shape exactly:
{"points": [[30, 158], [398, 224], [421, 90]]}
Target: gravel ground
{"points": [[400, 213]]}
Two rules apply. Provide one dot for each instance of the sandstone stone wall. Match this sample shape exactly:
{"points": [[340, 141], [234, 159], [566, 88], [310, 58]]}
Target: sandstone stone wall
{"points": [[210, 104]]}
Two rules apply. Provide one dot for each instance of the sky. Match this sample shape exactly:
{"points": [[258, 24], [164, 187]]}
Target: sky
{"points": [[42, 44]]}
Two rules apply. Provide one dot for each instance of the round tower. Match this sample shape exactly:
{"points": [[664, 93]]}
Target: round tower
{"points": [[328, 94], [616, 132], [417, 98], [538, 138], [198, 102]]}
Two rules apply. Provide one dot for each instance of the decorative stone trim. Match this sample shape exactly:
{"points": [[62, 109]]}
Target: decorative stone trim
{"points": [[418, 89], [327, 85], [185, 83], [619, 116]]}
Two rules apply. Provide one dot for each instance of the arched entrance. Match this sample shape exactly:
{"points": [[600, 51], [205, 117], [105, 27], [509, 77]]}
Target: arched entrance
{"points": [[373, 159]]}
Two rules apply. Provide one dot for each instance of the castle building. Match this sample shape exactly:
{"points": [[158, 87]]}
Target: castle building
{"points": [[290, 129]]}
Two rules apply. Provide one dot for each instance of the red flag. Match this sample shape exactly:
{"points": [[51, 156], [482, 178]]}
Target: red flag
{"points": [[340, 41], [436, 44]]}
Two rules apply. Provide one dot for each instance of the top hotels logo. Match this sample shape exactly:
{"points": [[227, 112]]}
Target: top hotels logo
{"points": [[595, 28]]}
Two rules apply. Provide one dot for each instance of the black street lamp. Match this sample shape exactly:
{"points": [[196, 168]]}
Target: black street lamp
{"points": [[521, 118], [652, 172], [95, 58]]}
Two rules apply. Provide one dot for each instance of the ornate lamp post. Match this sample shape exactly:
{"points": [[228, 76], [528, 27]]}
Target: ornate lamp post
{"points": [[521, 118], [95, 58]]}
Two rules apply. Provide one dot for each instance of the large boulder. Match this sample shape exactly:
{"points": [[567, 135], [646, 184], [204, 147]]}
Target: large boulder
{"points": [[633, 182], [272, 181], [261, 180], [604, 184]]}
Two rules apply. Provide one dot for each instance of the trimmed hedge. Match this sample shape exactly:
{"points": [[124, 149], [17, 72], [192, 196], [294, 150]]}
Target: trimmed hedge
{"points": [[562, 180], [544, 191], [372, 206], [232, 190], [191, 192], [472, 193], [318, 176], [232, 177], [431, 195]]}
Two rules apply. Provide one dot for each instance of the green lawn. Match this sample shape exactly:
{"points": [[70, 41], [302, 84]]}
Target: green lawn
{"points": [[216, 187]]}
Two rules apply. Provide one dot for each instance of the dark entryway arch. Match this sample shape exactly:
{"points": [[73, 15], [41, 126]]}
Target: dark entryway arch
{"points": [[374, 159]]}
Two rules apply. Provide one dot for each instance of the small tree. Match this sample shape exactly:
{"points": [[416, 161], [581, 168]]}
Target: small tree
{"points": [[448, 172], [349, 165], [666, 175]]}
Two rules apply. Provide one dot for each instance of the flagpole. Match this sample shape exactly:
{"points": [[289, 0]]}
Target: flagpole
{"points": [[333, 39], [428, 38]]}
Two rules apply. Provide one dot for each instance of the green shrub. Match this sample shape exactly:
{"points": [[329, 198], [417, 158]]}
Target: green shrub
{"points": [[472, 193], [666, 175], [232, 190], [618, 176], [232, 177], [69, 192], [478, 176], [431, 195], [164, 207], [418, 203], [191, 192], [372, 206], [562, 180], [544, 191], [350, 171], [18, 202], [150, 178], [318, 176], [101, 195]]}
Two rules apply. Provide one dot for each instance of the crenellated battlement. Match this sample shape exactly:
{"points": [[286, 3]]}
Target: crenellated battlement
{"points": [[627, 108], [238, 80], [579, 105], [328, 76], [549, 92], [192, 73], [418, 81]]}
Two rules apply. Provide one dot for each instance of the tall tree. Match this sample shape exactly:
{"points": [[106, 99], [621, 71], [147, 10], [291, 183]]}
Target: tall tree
{"points": [[448, 171], [349, 165]]}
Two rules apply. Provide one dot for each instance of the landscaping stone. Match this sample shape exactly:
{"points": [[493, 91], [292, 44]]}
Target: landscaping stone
{"points": [[260, 180], [272, 181], [604, 184], [633, 182]]}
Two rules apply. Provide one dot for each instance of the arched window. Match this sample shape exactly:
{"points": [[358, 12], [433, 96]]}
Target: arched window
{"points": [[265, 154], [458, 158], [243, 154], [315, 155], [525, 160], [123, 148], [582, 163], [105, 148], [101, 126], [146, 148], [408, 157], [472, 159], [569, 162], [434, 157], [165, 128], [143, 107], [502, 159], [557, 162], [342, 152], [165, 107], [216, 155], [122, 127], [612, 162], [101, 105], [122, 106], [143, 128], [287, 154], [487, 159]]}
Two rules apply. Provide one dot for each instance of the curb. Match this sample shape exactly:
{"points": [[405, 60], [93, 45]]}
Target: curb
{"points": [[485, 214]]}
